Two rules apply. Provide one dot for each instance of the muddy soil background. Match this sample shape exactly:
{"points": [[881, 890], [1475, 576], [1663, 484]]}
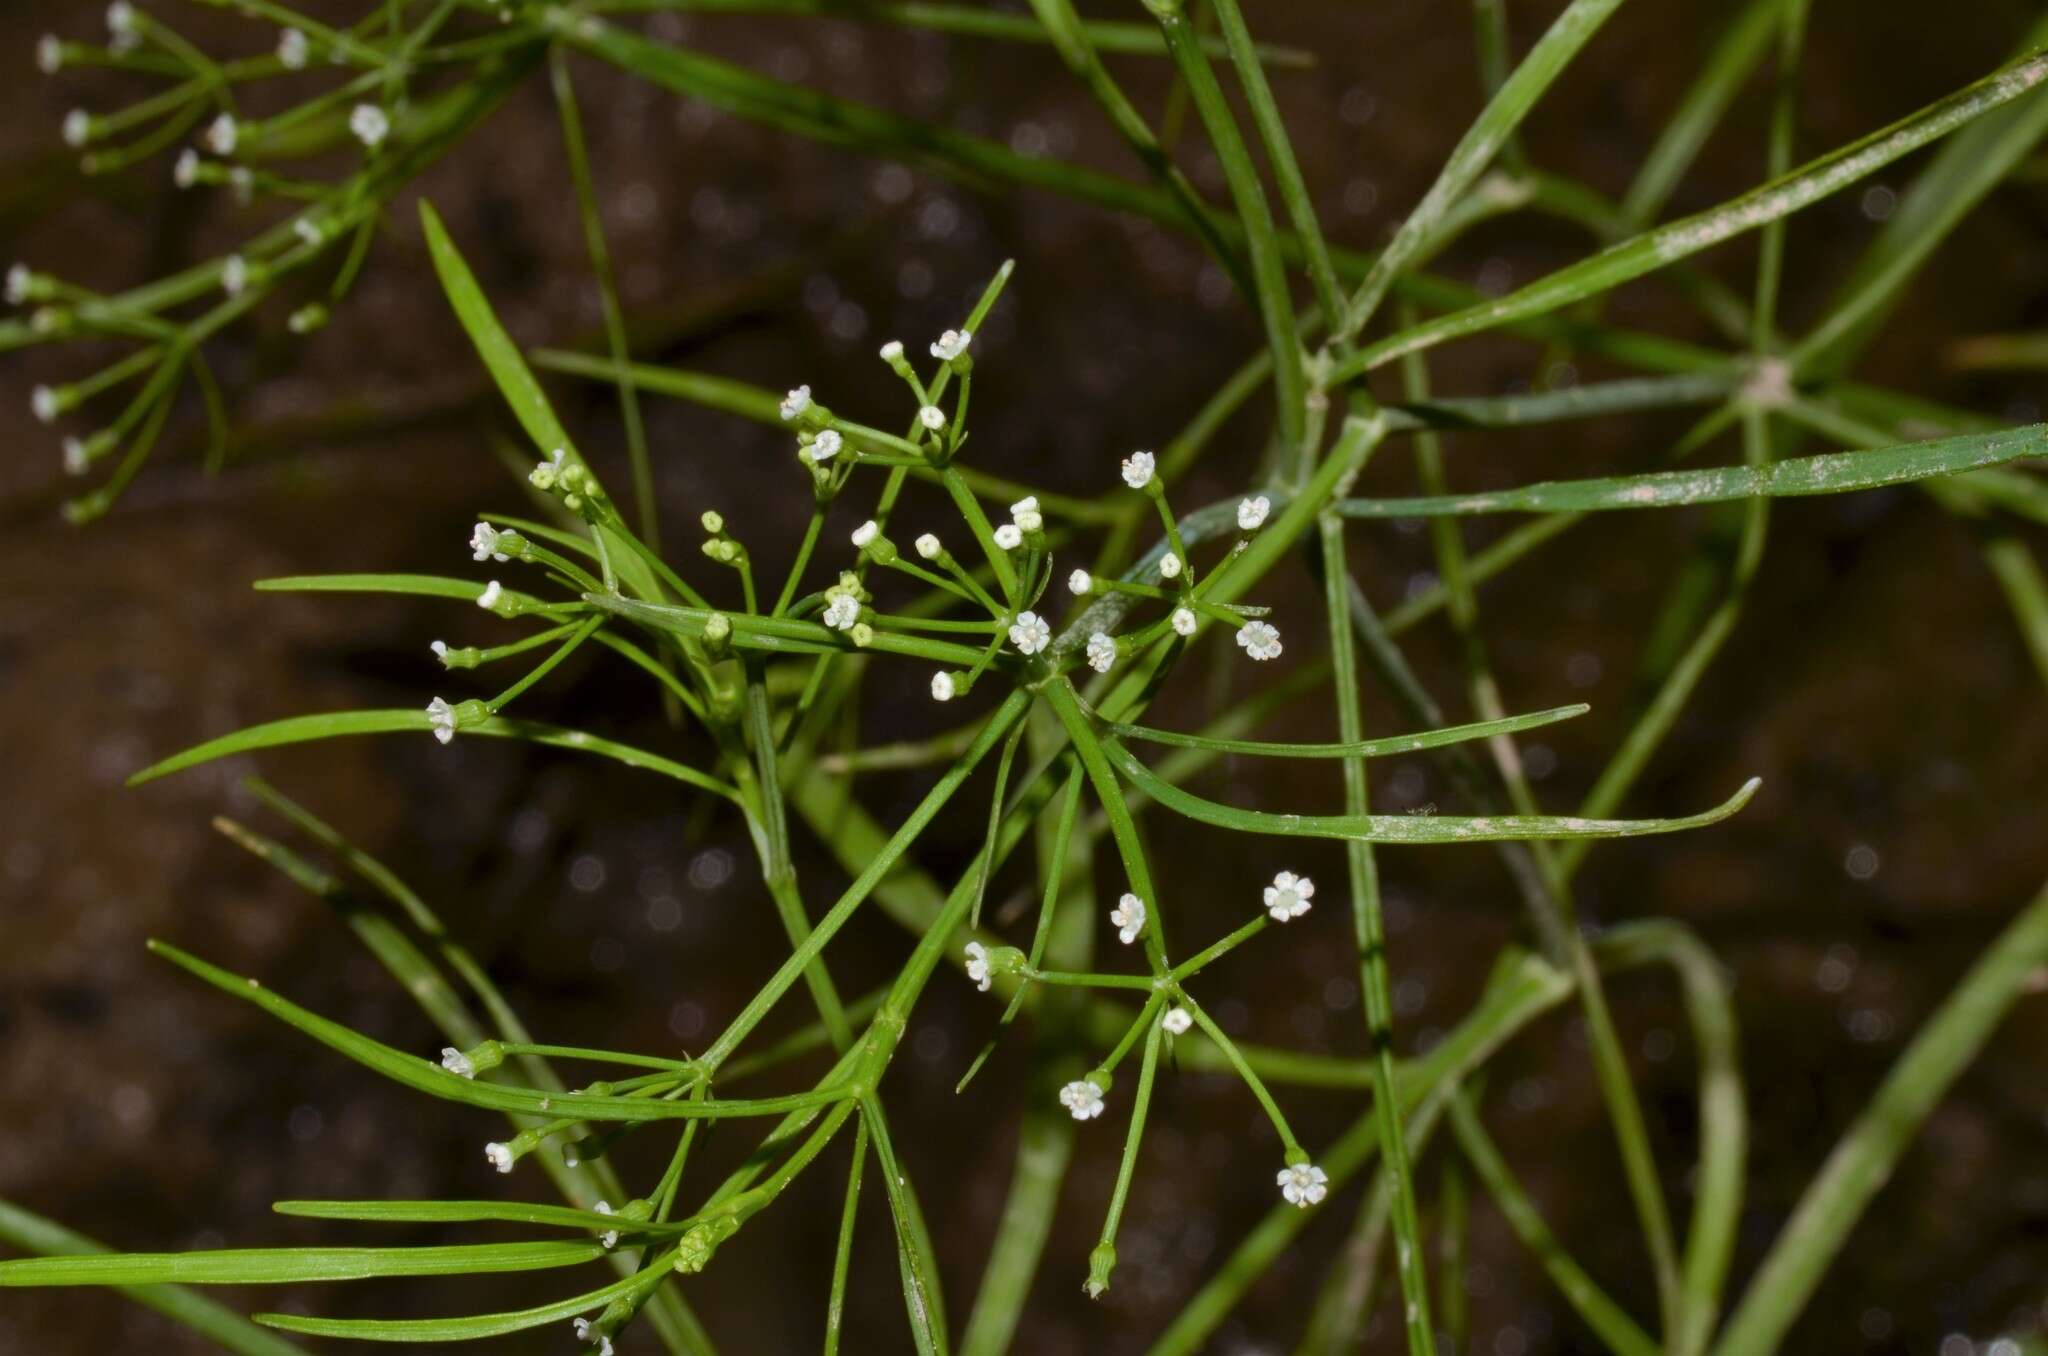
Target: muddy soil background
{"points": [[1876, 684]]}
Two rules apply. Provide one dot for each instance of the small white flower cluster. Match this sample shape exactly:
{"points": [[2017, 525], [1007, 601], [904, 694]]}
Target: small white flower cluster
{"points": [[1170, 565], [1260, 640], [1251, 513], [370, 124], [826, 445], [485, 541], [442, 717], [457, 1063], [292, 49], [1288, 896], [842, 612], [1303, 1184], [610, 1237], [1030, 633], [796, 402], [1101, 651], [586, 1331], [500, 1156], [1138, 468], [932, 417], [928, 546], [1177, 1021], [1129, 917], [223, 134], [1183, 620], [488, 600], [977, 966], [952, 344], [122, 32], [1082, 1098], [944, 688], [1024, 515]]}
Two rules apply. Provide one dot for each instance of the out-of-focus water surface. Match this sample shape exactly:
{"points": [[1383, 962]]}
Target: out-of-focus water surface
{"points": [[1876, 684]]}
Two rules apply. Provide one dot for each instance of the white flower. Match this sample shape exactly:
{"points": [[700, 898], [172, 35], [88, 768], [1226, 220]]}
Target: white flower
{"points": [[932, 417], [21, 280], [370, 124], [610, 1237], [49, 54], [1138, 470], [942, 686], [1031, 520], [796, 402], [1251, 513], [440, 649], [44, 402], [1288, 896], [1129, 917], [1183, 621], [484, 541], [864, 535], [1030, 633], [186, 172], [121, 19], [222, 134], [586, 1331], [309, 229], [1169, 566], [291, 49], [952, 344], [1028, 504], [842, 612], [977, 965], [1260, 640], [1101, 651], [1009, 537], [1177, 1021], [928, 546], [234, 275], [892, 350], [77, 127], [442, 716], [826, 445], [500, 1155], [1082, 1098], [457, 1063], [1080, 581], [77, 461], [488, 599], [1304, 1184]]}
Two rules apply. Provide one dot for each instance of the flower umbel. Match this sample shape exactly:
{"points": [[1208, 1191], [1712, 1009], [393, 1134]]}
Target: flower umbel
{"points": [[1101, 651]]}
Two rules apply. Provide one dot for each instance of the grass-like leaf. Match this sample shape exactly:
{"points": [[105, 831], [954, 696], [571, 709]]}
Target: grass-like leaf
{"points": [[1409, 828], [343, 724], [1366, 748], [284, 1266], [1829, 473]]}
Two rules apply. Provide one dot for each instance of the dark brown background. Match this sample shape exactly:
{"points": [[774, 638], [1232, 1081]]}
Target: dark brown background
{"points": [[1876, 684]]}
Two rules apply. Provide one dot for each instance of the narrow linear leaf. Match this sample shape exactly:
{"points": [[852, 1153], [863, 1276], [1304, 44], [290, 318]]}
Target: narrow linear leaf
{"points": [[457, 1329], [472, 1212], [24, 1229], [1368, 748], [1828, 473], [426, 1076], [1408, 828], [283, 1266], [343, 724]]}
